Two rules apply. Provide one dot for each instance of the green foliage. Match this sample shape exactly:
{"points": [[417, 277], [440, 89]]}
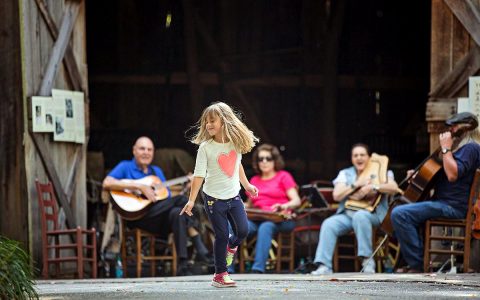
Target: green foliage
{"points": [[16, 274]]}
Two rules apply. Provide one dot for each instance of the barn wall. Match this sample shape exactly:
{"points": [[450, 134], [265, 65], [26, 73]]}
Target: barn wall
{"points": [[37, 45]]}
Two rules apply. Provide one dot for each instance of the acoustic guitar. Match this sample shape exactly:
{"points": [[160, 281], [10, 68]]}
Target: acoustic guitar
{"points": [[376, 172], [133, 205]]}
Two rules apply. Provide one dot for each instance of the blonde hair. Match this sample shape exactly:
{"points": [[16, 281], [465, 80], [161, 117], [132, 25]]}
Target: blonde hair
{"points": [[233, 128], [470, 136]]}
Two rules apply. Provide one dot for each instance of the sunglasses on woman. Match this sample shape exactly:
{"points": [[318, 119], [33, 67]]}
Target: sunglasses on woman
{"points": [[265, 158]]}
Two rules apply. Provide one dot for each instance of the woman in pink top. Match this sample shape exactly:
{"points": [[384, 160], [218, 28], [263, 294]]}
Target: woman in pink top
{"points": [[277, 193]]}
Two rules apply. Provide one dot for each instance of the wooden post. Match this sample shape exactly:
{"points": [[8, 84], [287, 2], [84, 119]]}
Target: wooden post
{"points": [[14, 203]]}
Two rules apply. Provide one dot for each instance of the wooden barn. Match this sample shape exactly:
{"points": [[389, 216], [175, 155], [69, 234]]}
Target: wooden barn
{"points": [[311, 76]]}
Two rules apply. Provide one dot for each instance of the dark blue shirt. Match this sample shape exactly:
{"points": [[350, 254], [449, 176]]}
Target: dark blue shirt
{"points": [[456, 193], [128, 169]]}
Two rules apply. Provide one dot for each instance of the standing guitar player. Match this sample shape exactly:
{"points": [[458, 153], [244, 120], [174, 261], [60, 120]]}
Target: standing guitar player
{"points": [[451, 189], [163, 216]]}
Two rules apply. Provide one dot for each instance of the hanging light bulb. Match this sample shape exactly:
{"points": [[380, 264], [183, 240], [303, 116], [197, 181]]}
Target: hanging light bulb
{"points": [[168, 20]]}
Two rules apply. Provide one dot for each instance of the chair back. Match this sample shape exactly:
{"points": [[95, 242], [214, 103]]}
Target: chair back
{"points": [[474, 190], [48, 205]]}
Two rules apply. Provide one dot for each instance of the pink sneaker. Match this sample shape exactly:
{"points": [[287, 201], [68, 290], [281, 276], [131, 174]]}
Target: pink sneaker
{"points": [[223, 280], [230, 255]]}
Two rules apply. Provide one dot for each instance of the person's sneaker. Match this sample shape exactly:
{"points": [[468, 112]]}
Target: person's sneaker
{"points": [[230, 255], [368, 266], [322, 270], [223, 280]]}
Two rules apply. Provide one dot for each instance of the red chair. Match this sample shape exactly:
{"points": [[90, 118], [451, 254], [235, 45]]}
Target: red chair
{"points": [[52, 237]]}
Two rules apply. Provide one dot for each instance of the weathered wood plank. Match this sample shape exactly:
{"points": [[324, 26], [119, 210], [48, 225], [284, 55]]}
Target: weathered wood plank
{"points": [[69, 61], [42, 150], [58, 52], [442, 110], [441, 42], [457, 78], [14, 204], [468, 14]]}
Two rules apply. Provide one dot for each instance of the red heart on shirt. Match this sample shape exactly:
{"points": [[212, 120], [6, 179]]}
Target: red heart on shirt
{"points": [[227, 162]]}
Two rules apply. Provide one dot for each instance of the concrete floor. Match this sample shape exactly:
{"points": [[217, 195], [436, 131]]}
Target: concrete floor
{"points": [[271, 286]]}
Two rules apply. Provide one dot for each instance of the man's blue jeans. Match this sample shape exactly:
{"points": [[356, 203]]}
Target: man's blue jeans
{"points": [[337, 225], [221, 213], [407, 219], [265, 232]]}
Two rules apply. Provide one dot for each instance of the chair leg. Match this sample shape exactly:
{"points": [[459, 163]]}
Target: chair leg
{"points": [[466, 251], [241, 256], [94, 253], [279, 253], [174, 257], [79, 253], [426, 246], [335, 259], [152, 253], [138, 254], [57, 255], [124, 253], [292, 251]]}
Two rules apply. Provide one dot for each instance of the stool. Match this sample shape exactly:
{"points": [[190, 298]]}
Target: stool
{"points": [[139, 235], [282, 250]]}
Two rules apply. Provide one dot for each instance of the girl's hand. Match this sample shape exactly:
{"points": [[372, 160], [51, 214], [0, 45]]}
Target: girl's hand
{"points": [[252, 190], [188, 208]]}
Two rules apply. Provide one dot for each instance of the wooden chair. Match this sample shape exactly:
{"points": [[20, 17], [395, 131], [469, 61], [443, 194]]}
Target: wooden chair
{"points": [[83, 242], [346, 249], [462, 236], [282, 251], [155, 242]]}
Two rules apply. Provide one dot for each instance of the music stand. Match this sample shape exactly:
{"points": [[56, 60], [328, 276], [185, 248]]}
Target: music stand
{"points": [[317, 200]]}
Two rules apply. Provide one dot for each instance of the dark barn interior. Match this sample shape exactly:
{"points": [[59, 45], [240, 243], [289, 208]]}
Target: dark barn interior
{"points": [[313, 77]]}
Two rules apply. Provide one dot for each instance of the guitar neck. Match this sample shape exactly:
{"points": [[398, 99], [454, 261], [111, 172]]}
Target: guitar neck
{"points": [[175, 181]]}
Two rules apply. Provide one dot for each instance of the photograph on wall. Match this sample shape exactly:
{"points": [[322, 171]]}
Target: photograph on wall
{"points": [[79, 116], [42, 115], [474, 95], [63, 112]]}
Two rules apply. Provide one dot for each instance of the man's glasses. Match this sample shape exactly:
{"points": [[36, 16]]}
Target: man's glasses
{"points": [[265, 158]]}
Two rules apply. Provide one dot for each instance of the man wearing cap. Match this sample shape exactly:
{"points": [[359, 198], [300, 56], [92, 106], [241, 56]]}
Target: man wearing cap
{"points": [[451, 188]]}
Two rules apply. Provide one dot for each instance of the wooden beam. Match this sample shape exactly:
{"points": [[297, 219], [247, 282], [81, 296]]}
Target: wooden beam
{"points": [[69, 61], [283, 81], [467, 13], [70, 186], [457, 78], [58, 52]]}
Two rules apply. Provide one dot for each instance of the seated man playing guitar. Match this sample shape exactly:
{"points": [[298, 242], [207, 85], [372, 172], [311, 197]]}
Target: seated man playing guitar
{"points": [[160, 217], [451, 188]]}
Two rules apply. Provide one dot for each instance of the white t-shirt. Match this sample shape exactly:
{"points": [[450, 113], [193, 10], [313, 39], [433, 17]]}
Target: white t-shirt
{"points": [[219, 164]]}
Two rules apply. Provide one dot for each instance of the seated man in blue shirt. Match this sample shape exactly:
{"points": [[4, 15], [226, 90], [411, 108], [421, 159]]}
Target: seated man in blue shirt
{"points": [[452, 189], [163, 216]]}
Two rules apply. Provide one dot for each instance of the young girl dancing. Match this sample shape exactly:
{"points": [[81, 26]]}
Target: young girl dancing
{"points": [[223, 138]]}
